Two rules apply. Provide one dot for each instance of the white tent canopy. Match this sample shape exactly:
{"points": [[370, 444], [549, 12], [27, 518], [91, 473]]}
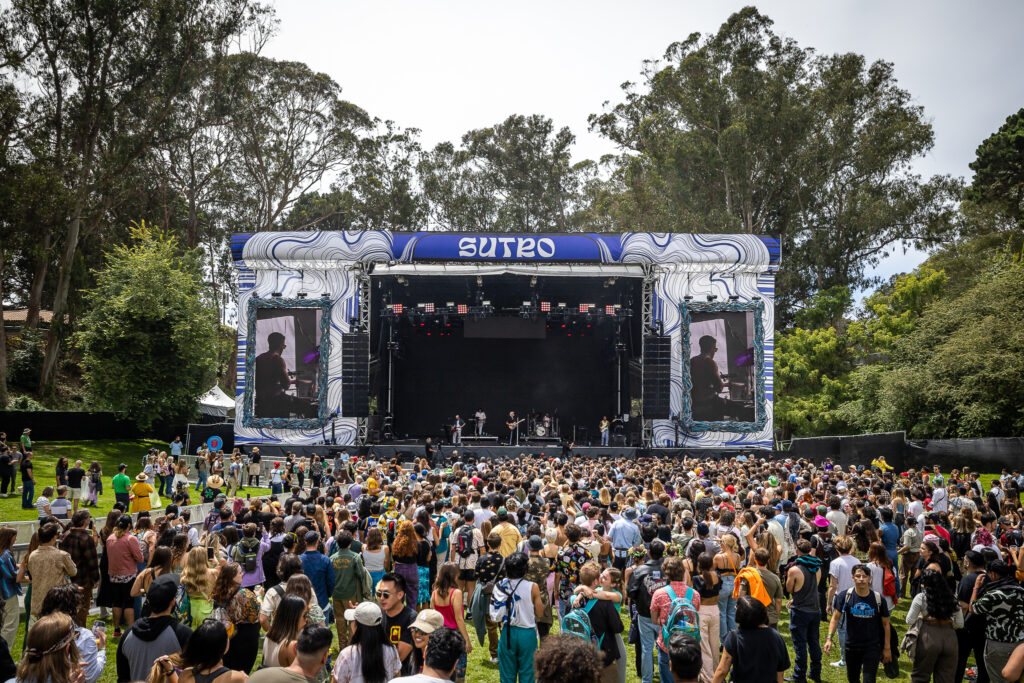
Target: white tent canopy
{"points": [[215, 402]]}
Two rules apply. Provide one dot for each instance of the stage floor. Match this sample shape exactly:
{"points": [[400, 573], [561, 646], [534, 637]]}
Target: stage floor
{"points": [[405, 452]]}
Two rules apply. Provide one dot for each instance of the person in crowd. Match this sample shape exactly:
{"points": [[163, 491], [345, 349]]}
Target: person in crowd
{"points": [[80, 544], [447, 599], [939, 614], [515, 602], [867, 627], [288, 621], [141, 491], [840, 573], [198, 578], [567, 658], [76, 479], [644, 580], [753, 652], [248, 554], [10, 590], [444, 649], [318, 568], [970, 638], [28, 480], [92, 648], [370, 657], [152, 637], [684, 657], [999, 598], [676, 587], [202, 661], [242, 608], [348, 581], [45, 566], [51, 653], [604, 620], [804, 613], [398, 616], [490, 567], [310, 652]]}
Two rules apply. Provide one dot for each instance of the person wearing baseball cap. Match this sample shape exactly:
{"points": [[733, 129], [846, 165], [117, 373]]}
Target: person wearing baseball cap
{"points": [[152, 637], [371, 651]]}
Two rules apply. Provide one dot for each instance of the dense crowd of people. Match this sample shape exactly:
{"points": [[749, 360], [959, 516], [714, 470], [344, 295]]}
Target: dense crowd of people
{"points": [[556, 566]]}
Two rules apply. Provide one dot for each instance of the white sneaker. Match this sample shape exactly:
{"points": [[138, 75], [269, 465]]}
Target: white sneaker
{"points": [[494, 660], [841, 664]]}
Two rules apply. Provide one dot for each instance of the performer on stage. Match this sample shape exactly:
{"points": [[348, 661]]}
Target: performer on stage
{"points": [[605, 427], [513, 428], [481, 420], [457, 430], [429, 451], [706, 404]]}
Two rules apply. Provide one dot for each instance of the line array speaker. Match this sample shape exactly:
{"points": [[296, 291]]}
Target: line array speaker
{"points": [[355, 374], [657, 376]]}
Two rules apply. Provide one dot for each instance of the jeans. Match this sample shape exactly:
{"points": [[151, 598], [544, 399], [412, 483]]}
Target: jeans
{"points": [[28, 493], [726, 607], [803, 628], [275, 488], [200, 480], [648, 643], [970, 640], [604, 438], [6, 480], [515, 654], [841, 636], [664, 668], [866, 658]]}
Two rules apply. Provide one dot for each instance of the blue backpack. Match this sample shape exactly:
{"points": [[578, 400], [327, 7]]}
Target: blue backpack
{"points": [[682, 617], [577, 623]]}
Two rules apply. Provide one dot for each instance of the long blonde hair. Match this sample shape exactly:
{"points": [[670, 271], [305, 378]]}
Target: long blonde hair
{"points": [[50, 651], [196, 574]]}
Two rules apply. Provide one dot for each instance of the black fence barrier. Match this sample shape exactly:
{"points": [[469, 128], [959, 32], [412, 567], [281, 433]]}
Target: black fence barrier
{"points": [[65, 425], [981, 455], [201, 434], [860, 449]]}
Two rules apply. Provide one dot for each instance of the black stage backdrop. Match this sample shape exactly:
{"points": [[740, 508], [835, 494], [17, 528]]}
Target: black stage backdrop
{"points": [[437, 377]]}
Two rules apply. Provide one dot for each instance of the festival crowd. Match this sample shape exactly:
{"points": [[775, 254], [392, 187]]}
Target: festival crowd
{"points": [[555, 565]]}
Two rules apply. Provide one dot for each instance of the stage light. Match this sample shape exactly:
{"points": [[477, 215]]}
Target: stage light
{"points": [[584, 308], [712, 297], [527, 304], [325, 295], [609, 310], [561, 305], [545, 306], [301, 295], [429, 308], [485, 303], [462, 309], [734, 298], [687, 298], [276, 295], [398, 308]]}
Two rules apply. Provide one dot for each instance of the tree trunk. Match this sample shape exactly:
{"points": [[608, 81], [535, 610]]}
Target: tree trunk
{"points": [[3, 338], [35, 294], [60, 299]]}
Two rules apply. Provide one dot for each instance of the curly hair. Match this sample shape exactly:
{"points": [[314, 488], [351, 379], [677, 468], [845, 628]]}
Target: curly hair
{"points": [[567, 659], [939, 599], [405, 543]]}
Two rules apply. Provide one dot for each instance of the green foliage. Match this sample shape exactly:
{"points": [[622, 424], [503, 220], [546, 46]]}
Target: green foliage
{"points": [[26, 403], [148, 340], [516, 176], [826, 308], [999, 170], [747, 131], [26, 359], [892, 312], [811, 381]]}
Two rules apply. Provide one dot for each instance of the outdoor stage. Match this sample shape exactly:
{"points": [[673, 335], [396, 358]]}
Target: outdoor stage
{"points": [[360, 338]]}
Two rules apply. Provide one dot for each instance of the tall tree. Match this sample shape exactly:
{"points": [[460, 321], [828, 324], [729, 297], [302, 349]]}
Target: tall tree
{"points": [[292, 129], [106, 77], [515, 176], [747, 131], [149, 339], [382, 180]]}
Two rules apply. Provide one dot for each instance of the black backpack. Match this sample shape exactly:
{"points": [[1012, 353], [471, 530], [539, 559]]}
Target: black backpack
{"points": [[250, 560], [464, 541]]}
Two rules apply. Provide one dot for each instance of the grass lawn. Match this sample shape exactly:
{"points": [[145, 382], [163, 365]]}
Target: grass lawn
{"points": [[109, 454]]}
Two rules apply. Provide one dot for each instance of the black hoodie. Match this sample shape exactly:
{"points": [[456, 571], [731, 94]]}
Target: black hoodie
{"points": [[147, 639]]}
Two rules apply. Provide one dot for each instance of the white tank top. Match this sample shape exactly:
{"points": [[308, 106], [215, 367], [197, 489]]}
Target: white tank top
{"points": [[373, 560], [522, 613]]}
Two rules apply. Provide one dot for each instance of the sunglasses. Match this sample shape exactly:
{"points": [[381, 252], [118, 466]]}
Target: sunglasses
{"points": [[383, 594]]}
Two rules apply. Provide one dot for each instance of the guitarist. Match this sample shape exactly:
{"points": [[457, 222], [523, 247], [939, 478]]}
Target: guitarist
{"points": [[457, 430], [513, 428]]}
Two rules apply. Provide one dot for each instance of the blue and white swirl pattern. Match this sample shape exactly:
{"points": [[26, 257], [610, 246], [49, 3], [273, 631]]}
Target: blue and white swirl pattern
{"points": [[693, 265]]}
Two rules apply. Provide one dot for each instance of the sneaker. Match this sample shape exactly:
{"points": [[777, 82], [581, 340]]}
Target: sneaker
{"points": [[841, 664], [795, 679], [494, 660], [117, 633]]}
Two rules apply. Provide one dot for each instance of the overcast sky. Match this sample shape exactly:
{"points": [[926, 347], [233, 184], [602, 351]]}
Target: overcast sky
{"points": [[448, 67]]}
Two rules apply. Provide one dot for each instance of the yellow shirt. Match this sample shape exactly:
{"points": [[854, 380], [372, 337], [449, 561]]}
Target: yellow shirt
{"points": [[141, 500], [510, 538]]}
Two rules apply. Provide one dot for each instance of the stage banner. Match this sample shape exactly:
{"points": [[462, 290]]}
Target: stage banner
{"points": [[448, 247]]}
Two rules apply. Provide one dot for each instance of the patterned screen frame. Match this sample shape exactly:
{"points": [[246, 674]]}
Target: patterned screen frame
{"points": [[256, 303], [760, 405]]}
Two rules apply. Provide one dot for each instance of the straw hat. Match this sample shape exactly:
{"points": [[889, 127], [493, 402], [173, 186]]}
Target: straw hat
{"points": [[215, 482], [141, 477]]}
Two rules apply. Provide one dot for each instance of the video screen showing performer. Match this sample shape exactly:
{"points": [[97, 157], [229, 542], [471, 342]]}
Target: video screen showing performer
{"points": [[286, 368], [722, 366]]}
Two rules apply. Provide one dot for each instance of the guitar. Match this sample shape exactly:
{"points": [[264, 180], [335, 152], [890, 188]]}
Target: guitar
{"points": [[458, 426], [513, 425]]}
